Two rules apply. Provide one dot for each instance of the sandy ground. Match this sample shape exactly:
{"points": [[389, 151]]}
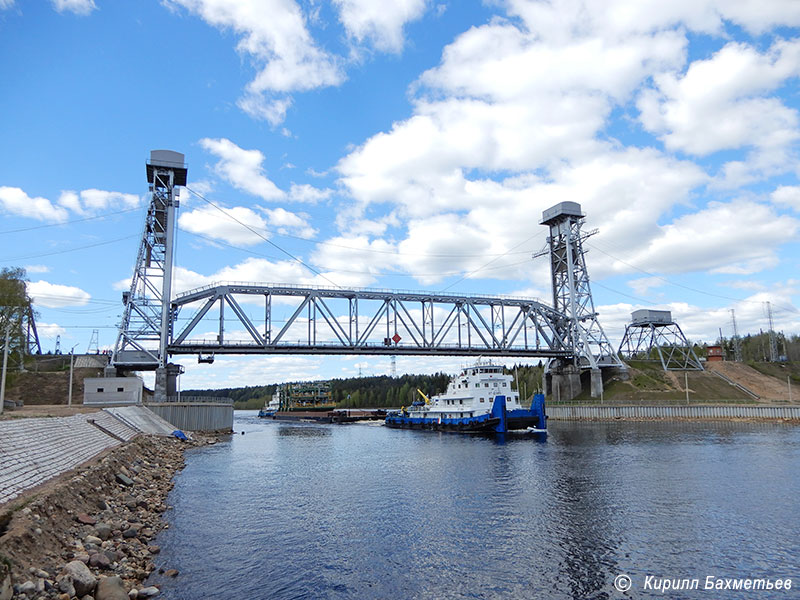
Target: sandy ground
{"points": [[47, 410]]}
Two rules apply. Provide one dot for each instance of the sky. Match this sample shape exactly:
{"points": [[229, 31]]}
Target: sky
{"points": [[406, 145]]}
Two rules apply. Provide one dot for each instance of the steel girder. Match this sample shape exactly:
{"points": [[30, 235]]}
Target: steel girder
{"points": [[339, 321]]}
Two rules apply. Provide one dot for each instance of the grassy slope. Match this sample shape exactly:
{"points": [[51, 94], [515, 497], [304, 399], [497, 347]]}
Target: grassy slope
{"points": [[650, 384]]}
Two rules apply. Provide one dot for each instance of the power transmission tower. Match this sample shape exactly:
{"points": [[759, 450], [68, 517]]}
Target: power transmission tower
{"points": [[737, 343], [94, 342], [773, 341], [394, 365]]}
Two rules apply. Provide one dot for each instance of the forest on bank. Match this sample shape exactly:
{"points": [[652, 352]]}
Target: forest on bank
{"points": [[380, 391]]}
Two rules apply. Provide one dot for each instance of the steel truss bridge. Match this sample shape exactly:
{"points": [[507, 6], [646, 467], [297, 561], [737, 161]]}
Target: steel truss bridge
{"points": [[364, 321], [318, 320]]}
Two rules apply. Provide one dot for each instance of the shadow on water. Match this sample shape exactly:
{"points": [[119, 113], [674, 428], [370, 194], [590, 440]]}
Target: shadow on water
{"points": [[304, 431]]}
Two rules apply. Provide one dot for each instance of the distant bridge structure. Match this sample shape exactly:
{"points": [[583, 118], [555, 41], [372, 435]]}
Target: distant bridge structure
{"points": [[331, 320]]}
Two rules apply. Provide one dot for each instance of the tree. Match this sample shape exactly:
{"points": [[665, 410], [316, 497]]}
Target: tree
{"points": [[15, 307]]}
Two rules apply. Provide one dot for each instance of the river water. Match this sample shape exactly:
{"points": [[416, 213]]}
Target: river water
{"points": [[362, 511]]}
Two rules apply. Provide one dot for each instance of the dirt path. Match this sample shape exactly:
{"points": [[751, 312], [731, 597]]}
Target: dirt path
{"points": [[768, 388], [47, 410]]}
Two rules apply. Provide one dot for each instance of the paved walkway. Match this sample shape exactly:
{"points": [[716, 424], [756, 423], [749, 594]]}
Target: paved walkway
{"points": [[34, 450]]}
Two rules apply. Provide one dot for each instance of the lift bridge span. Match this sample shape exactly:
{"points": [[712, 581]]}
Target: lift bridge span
{"points": [[157, 324]]}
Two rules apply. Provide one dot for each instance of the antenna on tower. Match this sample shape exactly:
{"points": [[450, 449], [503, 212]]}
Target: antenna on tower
{"points": [[58, 344], [737, 343], [773, 341]]}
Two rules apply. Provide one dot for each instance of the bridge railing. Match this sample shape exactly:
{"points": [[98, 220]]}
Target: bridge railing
{"points": [[296, 286]]}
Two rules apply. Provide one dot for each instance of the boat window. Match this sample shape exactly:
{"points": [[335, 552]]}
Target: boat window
{"points": [[477, 385], [481, 399], [461, 402], [486, 384], [504, 384]]}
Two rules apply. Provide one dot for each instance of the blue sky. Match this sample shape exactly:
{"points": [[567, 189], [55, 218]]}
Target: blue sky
{"points": [[405, 145]]}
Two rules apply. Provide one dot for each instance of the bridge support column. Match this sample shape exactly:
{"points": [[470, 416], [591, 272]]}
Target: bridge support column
{"points": [[596, 385], [166, 382], [562, 382]]}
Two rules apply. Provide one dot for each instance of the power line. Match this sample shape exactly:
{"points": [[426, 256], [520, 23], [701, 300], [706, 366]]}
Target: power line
{"points": [[675, 283], [119, 212], [75, 249], [270, 242]]}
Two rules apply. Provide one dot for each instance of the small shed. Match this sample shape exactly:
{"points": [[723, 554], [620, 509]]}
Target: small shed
{"points": [[715, 354]]}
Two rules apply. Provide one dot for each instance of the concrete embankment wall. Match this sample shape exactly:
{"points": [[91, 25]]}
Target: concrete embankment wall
{"points": [[196, 415], [589, 413], [33, 451]]}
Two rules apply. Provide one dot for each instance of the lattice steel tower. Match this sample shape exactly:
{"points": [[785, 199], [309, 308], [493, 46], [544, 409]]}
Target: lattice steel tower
{"points": [[572, 295], [653, 335], [145, 329]]}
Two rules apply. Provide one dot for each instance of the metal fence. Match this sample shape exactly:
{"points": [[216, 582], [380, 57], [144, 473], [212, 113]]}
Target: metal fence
{"points": [[196, 413], [578, 413]]}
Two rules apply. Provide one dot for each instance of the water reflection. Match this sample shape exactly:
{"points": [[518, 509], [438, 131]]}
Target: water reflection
{"points": [[323, 511]]}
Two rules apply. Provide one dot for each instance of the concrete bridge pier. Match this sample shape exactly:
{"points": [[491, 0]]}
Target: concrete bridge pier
{"points": [[562, 382], [166, 384]]}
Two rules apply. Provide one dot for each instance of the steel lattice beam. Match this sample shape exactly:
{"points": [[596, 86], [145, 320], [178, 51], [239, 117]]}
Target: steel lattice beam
{"points": [[336, 321]]}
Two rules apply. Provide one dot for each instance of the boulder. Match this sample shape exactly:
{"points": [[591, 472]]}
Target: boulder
{"points": [[85, 519], [110, 588], [80, 576], [124, 479], [149, 592], [103, 530], [99, 561]]}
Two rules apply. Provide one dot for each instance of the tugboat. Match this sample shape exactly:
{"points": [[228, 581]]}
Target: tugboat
{"points": [[478, 400], [269, 410]]}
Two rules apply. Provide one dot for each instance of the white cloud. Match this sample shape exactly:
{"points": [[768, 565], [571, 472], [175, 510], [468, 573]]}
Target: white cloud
{"points": [[4, 4], [79, 7], [16, 202], [242, 168], [37, 269], [208, 221], [49, 330], [52, 295], [308, 193], [274, 34], [643, 285], [380, 22], [720, 102], [738, 237], [787, 195], [92, 201], [286, 222]]}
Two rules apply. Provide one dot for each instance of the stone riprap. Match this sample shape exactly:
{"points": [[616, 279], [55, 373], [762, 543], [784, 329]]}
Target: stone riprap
{"points": [[33, 451]]}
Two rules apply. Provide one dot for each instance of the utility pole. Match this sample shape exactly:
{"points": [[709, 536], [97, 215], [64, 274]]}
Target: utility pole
{"points": [[71, 357], [5, 365], [686, 385], [737, 343]]}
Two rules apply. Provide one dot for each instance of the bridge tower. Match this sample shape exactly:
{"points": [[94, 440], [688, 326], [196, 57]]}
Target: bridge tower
{"points": [[572, 297], [146, 324]]}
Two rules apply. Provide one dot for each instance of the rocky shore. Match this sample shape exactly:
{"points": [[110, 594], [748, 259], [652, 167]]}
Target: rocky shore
{"points": [[90, 534]]}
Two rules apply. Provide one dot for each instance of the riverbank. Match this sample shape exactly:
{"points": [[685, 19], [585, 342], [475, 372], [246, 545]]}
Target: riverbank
{"points": [[90, 531], [725, 412]]}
